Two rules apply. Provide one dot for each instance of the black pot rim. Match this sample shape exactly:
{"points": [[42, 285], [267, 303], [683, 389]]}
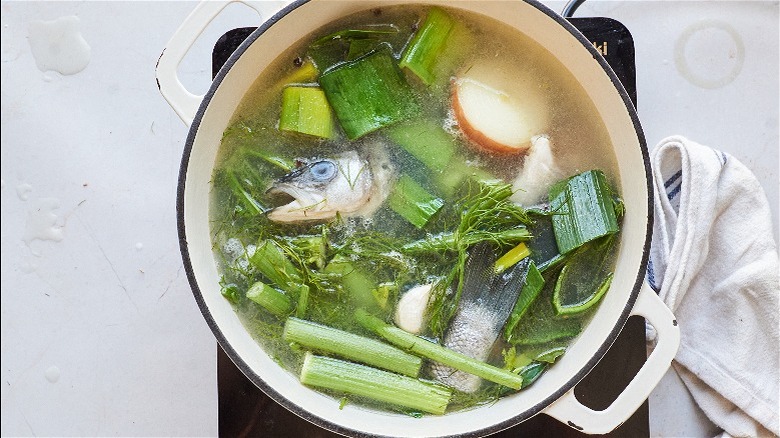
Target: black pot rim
{"points": [[324, 423]]}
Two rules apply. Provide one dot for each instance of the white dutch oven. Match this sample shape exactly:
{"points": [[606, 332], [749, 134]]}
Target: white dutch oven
{"points": [[553, 393]]}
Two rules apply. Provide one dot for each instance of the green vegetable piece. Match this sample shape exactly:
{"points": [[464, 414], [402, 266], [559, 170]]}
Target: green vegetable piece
{"points": [[531, 372], [383, 386], [585, 277], [422, 53], [511, 257], [356, 282], [426, 141], [351, 346], [229, 290], [438, 353], [369, 93], [534, 282], [273, 300], [563, 307], [306, 110], [541, 325], [584, 210], [271, 261], [413, 202], [551, 354]]}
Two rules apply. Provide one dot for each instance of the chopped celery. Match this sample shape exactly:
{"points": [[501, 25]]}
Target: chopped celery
{"points": [[413, 202], [422, 53], [528, 294], [584, 210], [369, 93], [305, 110], [351, 346], [436, 352], [511, 257], [383, 386], [271, 299], [271, 261]]}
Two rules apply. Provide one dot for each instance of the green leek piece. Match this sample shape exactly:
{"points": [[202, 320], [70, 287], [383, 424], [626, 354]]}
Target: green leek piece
{"points": [[565, 308], [551, 354], [512, 257], [351, 346], [383, 386], [413, 202], [305, 110], [426, 141], [534, 282], [531, 372], [583, 209], [422, 53], [273, 300], [305, 74], [585, 277], [369, 93], [436, 352]]}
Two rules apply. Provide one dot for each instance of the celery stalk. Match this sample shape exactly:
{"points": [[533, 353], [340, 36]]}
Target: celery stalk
{"points": [[271, 299], [436, 352], [351, 346], [383, 386]]}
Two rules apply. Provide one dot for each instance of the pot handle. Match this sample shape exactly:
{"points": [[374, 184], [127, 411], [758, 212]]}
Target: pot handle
{"points": [[183, 102], [569, 410]]}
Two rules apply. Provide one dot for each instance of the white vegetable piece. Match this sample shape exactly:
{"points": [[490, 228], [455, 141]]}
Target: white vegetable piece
{"points": [[410, 312], [499, 114], [539, 172]]}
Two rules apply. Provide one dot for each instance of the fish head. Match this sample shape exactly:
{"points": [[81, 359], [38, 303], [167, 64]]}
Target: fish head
{"points": [[322, 188]]}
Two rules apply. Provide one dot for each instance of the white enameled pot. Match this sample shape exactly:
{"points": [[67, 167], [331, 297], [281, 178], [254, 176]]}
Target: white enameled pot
{"points": [[553, 393]]}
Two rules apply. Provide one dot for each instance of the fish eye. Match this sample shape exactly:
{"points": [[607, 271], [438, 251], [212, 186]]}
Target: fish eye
{"points": [[323, 170]]}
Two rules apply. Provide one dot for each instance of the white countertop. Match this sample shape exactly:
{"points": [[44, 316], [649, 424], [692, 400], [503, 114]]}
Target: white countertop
{"points": [[100, 333]]}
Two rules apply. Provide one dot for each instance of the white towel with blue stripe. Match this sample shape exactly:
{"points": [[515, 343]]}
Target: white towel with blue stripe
{"points": [[714, 262]]}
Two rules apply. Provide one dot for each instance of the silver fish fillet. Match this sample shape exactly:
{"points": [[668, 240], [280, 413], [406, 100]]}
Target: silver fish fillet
{"points": [[486, 302]]}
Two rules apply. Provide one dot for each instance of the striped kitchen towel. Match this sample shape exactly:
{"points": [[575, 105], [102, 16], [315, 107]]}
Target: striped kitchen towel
{"points": [[714, 262]]}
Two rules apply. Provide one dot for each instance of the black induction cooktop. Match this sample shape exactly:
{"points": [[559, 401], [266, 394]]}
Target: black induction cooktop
{"points": [[244, 410]]}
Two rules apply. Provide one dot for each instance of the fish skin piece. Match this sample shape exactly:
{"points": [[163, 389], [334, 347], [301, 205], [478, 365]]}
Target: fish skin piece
{"points": [[486, 302]]}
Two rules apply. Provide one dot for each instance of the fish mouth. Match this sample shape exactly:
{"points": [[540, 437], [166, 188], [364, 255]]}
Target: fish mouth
{"points": [[300, 203]]}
